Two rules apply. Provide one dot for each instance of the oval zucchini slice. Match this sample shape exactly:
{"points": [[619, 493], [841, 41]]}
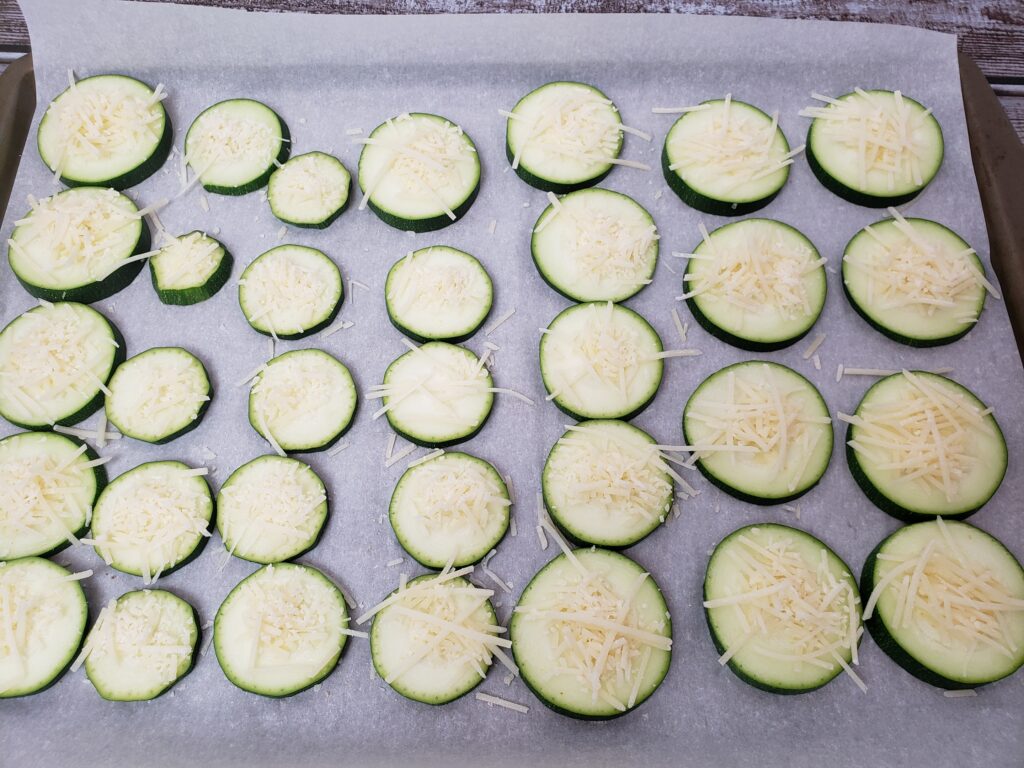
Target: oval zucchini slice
{"points": [[55, 361], [760, 431], [235, 145], [601, 361], [726, 158], [290, 292], [271, 509], [436, 395], [874, 148], [190, 269], [48, 483], [592, 635], [159, 395], [757, 284], [48, 612], [759, 584], [82, 244], [105, 131], [418, 172], [302, 401], [438, 294], [141, 645], [153, 519], [915, 281], [281, 630], [310, 190], [563, 136], [605, 483], [451, 509], [595, 245], [920, 445], [415, 651], [945, 603]]}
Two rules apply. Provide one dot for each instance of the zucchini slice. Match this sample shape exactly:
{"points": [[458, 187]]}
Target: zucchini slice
{"points": [[874, 148], [759, 431], [436, 395], [290, 291], [757, 284], [595, 245], [158, 395], [281, 630], [235, 145], [438, 294], [82, 244], [271, 509], [433, 640], [605, 483], [46, 613], [563, 136], [302, 401], [592, 634], [105, 131], [310, 190], [920, 445], [55, 361], [726, 158], [153, 519], [190, 269], [450, 509], [783, 609], [141, 645], [601, 361], [946, 603], [418, 172], [48, 484], [915, 281]]}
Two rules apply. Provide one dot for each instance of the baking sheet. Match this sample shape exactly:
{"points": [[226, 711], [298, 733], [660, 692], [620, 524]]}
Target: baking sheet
{"points": [[326, 74]]}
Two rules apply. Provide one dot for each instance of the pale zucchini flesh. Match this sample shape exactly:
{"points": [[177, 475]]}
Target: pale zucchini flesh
{"points": [[190, 269], [309, 190]]}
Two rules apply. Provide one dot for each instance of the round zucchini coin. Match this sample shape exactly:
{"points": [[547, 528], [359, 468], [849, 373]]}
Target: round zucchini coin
{"points": [[759, 583], [921, 446], [601, 361], [563, 136], [592, 635], [760, 431], [48, 483], [79, 245], [874, 148], [190, 269], [595, 245], [757, 284], [310, 190], [726, 158], [281, 630], [48, 611], [105, 131], [945, 603]]}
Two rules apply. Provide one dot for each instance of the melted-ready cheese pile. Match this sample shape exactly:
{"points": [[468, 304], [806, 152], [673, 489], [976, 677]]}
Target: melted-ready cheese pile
{"points": [[955, 602], [160, 383], [574, 123], [928, 435], [787, 602], [187, 260], [454, 496], [767, 270], [880, 130], [221, 140], [280, 284], [760, 421], [422, 286], [919, 272]]}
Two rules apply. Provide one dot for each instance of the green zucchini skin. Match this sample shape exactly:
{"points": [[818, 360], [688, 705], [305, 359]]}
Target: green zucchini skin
{"points": [[738, 341], [316, 328], [117, 281], [184, 297], [325, 223], [846, 193], [625, 417], [139, 173], [260, 181], [193, 424], [552, 186], [442, 443], [424, 340], [909, 341], [705, 204], [318, 449], [431, 224]]}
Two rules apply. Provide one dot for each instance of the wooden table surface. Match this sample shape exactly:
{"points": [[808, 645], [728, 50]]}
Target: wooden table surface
{"points": [[989, 31]]}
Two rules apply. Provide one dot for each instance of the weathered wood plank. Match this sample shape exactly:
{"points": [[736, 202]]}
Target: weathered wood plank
{"points": [[991, 31]]}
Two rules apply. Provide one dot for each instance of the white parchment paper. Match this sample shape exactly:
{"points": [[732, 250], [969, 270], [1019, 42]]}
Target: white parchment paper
{"points": [[326, 74]]}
